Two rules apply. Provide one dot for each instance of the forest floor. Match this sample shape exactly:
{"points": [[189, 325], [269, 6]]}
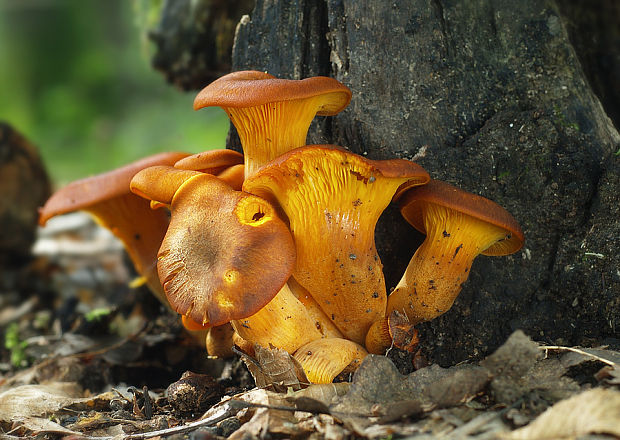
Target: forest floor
{"points": [[87, 355]]}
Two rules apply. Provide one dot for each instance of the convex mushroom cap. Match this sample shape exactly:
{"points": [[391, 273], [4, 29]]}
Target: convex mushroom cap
{"points": [[333, 199], [458, 226], [226, 253], [108, 198], [272, 115]]}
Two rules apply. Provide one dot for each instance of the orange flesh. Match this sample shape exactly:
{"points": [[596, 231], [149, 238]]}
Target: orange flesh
{"points": [[270, 130], [440, 266]]}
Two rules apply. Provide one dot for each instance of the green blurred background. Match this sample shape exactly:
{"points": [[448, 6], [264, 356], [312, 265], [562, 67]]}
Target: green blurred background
{"points": [[75, 79]]}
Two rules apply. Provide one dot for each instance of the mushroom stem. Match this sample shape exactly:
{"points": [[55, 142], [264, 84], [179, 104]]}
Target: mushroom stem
{"points": [[270, 130], [440, 266], [284, 323]]}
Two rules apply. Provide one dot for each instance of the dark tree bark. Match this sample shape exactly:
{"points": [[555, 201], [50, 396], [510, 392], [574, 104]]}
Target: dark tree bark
{"points": [[490, 97], [24, 186]]}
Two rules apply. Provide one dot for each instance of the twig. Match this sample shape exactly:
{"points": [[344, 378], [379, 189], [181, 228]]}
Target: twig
{"points": [[224, 412], [579, 351]]}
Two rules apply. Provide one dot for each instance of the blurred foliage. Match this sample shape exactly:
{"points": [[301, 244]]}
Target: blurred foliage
{"points": [[75, 78], [16, 346]]}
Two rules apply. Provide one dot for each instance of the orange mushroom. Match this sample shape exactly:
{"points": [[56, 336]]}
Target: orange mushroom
{"points": [[458, 226], [226, 253], [272, 115], [333, 199], [108, 198]]}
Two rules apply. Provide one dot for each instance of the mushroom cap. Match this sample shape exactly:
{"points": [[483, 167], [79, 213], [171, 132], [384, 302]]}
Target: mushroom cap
{"points": [[212, 161], [481, 208], [234, 176], [108, 198], [226, 253], [159, 183], [251, 88], [324, 359], [89, 191]]}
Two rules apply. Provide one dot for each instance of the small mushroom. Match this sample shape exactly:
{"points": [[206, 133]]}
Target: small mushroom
{"points": [[458, 226], [226, 253], [272, 115], [324, 359], [333, 199], [108, 198]]}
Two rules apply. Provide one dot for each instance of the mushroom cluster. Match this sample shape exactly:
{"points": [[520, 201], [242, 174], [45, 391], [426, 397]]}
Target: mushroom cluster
{"points": [[276, 246]]}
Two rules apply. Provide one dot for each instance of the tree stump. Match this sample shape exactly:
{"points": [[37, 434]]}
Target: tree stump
{"points": [[24, 186], [489, 97]]}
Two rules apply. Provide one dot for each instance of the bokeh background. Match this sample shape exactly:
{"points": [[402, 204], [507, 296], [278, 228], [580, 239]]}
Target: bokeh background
{"points": [[76, 79]]}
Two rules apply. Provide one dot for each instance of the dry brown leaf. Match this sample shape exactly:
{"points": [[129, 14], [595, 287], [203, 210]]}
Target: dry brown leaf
{"points": [[518, 369], [379, 393], [38, 425], [276, 368], [258, 421], [595, 411], [317, 397], [37, 400]]}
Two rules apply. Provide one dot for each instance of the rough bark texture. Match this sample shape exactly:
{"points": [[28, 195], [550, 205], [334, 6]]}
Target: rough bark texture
{"points": [[24, 186], [492, 98], [194, 38]]}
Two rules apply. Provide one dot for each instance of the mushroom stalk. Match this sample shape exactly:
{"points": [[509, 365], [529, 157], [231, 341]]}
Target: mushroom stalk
{"points": [[270, 130], [284, 323], [440, 266]]}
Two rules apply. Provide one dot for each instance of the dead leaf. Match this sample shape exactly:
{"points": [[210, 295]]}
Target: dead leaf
{"points": [[518, 369], [317, 397], [380, 393], [38, 425], [403, 333], [595, 411], [610, 373], [276, 368], [37, 400], [259, 421]]}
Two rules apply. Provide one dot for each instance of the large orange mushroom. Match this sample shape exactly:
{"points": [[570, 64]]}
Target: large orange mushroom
{"points": [[272, 115], [108, 198], [226, 253], [458, 226], [333, 200]]}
